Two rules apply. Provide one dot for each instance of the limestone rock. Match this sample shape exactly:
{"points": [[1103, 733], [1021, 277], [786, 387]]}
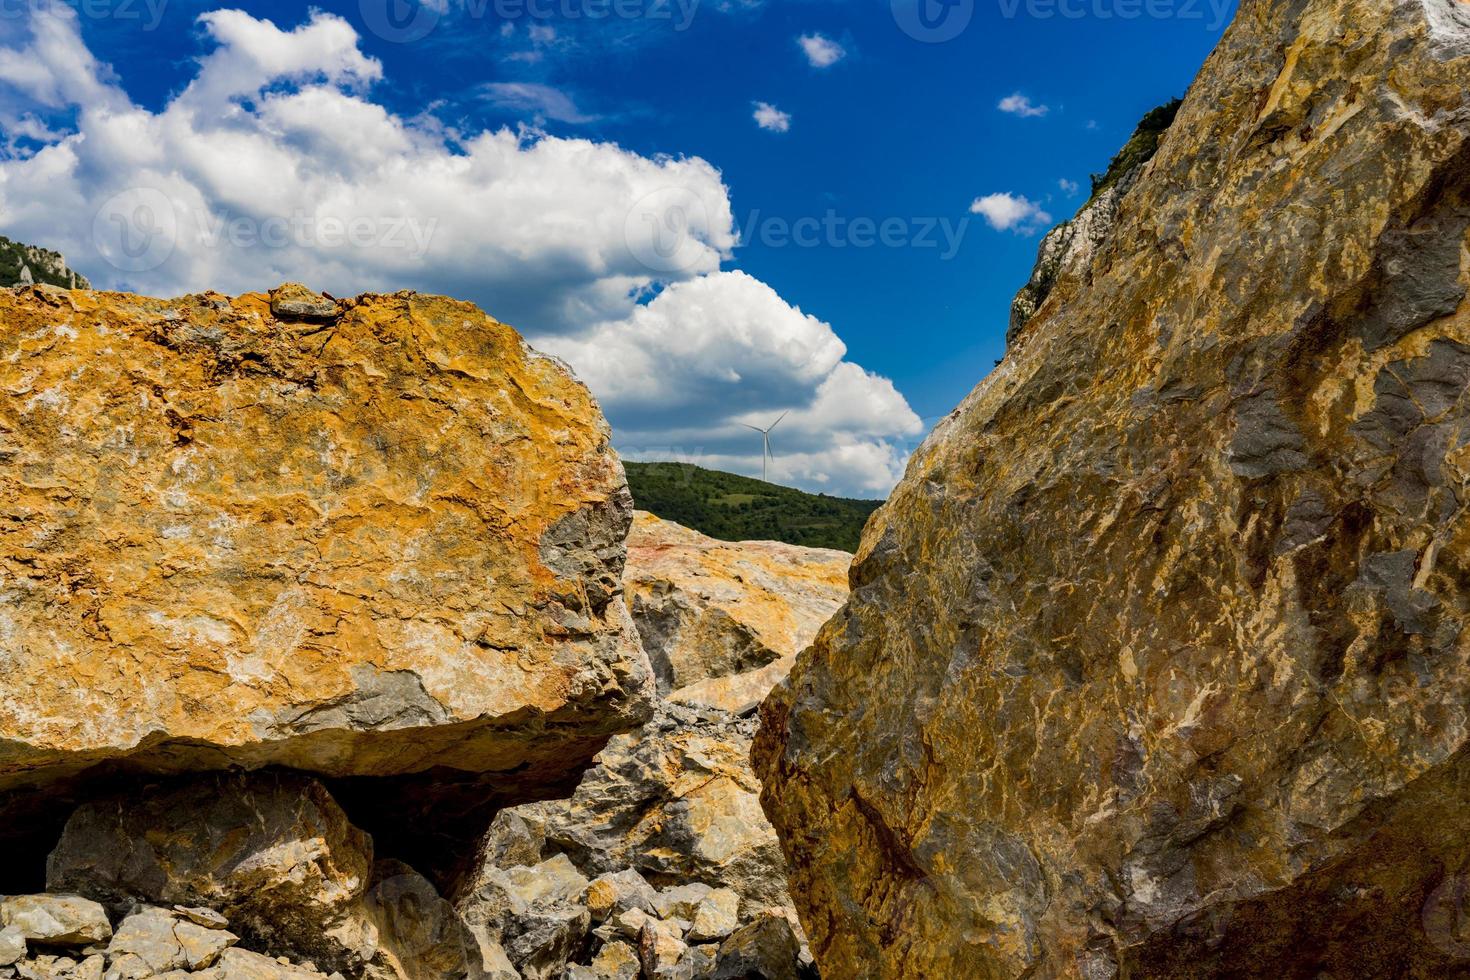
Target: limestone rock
{"points": [[534, 913], [156, 941], [767, 947], [387, 548], [12, 944], [56, 920], [1155, 662], [615, 961], [294, 301], [660, 947], [240, 964], [426, 936], [617, 892], [678, 803], [710, 609], [49, 967], [715, 917], [739, 694], [273, 853], [674, 805]]}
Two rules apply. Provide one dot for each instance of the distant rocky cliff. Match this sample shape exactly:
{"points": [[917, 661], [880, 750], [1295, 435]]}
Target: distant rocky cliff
{"points": [[1155, 663], [22, 265]]}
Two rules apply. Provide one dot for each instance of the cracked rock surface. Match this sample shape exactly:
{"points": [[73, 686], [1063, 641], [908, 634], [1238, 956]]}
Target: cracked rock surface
{"points": [[1156, 662], [661, 863], [370, 539]]}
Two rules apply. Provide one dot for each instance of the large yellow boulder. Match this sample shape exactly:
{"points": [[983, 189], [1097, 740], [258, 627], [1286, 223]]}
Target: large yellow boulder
{"points": [[376, 538], [1157, 662]]}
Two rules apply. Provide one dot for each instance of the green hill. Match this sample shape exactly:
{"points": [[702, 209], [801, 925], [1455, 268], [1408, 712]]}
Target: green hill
{"points": [[737, 508], [27, 263]]}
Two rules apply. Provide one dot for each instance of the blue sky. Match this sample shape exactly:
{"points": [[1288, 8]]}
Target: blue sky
{"points": [[522, 145]]}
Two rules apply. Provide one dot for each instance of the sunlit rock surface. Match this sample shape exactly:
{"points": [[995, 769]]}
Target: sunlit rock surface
{"points": [[377, 539], [1155, 663], [663, 847]]}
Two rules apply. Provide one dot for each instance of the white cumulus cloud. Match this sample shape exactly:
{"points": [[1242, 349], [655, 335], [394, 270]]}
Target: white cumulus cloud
{"points": [[769, 117], [1020, 105], [274, 163], [1010, 212], [821, 51]]}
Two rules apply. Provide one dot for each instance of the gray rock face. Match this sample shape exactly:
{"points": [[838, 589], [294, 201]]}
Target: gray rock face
{"points": [[675, 801], [277, 857], [74, 940], [768, 947], [667, 823], [156, 941]]}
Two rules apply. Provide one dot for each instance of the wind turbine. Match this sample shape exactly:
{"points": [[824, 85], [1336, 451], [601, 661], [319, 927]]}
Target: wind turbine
{"points": [[766, 441]]}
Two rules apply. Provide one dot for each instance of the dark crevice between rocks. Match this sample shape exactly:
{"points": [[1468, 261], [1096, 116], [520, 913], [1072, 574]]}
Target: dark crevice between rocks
{"points": [[432, 821]]}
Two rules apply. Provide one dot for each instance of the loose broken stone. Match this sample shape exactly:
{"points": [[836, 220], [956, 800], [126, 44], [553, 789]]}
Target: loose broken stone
{"points": [[160, 941], [660, 945], [12, 945], [56, 920], [617, 891], [715, 917]]}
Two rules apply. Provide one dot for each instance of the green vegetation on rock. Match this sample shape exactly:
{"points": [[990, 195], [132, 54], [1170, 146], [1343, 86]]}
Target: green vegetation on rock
{"points": [[738, 508], [1141, 146]]}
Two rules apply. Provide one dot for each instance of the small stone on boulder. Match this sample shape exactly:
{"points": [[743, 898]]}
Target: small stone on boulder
{"points": [[294, 301]]}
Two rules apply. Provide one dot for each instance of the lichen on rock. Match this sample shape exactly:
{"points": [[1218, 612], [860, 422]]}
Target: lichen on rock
{"points": [[370, 539], [1155, 662]]}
